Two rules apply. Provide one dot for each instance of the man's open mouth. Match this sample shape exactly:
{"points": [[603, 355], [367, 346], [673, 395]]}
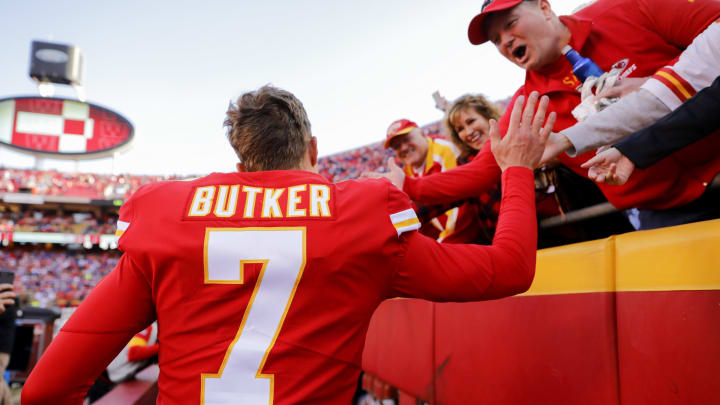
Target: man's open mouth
{"points": [[519, 52]]}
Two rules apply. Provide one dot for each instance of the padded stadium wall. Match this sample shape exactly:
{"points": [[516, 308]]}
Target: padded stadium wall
{"points": [[630, 319]]}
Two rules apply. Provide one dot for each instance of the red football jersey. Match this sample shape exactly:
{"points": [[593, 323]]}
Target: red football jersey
{"points": [[263, 284]]}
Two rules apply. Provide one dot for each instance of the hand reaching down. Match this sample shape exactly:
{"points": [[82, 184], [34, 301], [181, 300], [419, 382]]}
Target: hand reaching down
{"points": [[610, 167]]}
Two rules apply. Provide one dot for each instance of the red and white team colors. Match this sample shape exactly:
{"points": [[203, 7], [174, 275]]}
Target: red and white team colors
{"points": [[695, 69], [263, 285]]}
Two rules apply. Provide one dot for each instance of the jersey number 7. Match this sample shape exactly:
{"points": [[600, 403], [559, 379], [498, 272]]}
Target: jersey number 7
{"points": [[281, 251]]}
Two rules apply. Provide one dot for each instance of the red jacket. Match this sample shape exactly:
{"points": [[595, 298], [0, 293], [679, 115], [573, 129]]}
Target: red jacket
{"points": [[644, 34]]}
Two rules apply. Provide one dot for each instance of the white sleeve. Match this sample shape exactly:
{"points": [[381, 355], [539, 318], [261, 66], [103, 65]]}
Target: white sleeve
{"points": [[633, 112], [696, 69]]}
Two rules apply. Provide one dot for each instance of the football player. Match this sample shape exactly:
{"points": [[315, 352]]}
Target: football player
{"points": [[263, 281]]}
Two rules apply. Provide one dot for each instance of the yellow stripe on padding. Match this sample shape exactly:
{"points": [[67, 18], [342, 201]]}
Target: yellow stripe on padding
{"points": [[685, 257], [679, 258], [119, 232], [578, 268], [675, 81]]}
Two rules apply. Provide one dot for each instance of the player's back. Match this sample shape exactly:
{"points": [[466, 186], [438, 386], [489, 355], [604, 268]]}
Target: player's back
{"points": [[264, 283]]}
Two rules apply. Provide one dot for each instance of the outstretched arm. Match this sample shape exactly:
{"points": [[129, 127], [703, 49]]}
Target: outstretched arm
{"points": [[471, 272], [462, 182], [693, 120], [665, 91]]}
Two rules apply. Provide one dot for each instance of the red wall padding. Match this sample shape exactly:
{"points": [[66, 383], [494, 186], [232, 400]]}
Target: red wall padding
{"points": [[399, 346], [551, 349], [669, 347]]}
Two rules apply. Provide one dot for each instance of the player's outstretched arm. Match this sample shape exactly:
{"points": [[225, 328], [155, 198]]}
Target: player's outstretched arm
{"points": [[117, 308], [446, 272]]}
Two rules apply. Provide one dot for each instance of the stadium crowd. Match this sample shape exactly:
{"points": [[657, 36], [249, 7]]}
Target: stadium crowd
{"points": [[336, 167], [38, 221], [352, 163], [55, 277], [89, 185]]}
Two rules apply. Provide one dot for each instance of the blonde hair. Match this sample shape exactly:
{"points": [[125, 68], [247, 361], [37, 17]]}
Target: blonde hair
{"points": [[477, 102]]}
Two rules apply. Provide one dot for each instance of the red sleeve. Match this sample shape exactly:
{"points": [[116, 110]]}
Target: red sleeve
{"points": [[463, 182], [447, 272], [118, 307], [678, 22], [140, 353]]}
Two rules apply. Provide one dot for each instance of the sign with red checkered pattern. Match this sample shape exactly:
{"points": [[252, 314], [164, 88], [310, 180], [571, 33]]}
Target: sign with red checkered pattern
{"points": [[62, 128]]}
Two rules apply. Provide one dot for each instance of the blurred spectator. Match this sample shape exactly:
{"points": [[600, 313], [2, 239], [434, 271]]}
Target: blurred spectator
{"points": [[7, 336], [7, 297]]}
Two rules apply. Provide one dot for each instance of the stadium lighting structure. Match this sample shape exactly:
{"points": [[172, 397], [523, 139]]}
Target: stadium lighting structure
{"points": [[53, 63]]}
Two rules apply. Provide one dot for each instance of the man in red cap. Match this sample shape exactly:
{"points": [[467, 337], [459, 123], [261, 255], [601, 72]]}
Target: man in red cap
{"points": [[639, 36], [421, 156], [411, 147]]}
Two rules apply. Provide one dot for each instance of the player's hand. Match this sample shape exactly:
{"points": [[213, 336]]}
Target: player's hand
{"points": [[557, 143], [622, 87], [7, 296], [610, 167], [395, 174], [524, 143]]}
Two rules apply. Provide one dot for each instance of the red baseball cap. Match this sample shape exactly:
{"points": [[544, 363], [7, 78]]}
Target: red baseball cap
{"points": [[476, 32], [399, 127]]}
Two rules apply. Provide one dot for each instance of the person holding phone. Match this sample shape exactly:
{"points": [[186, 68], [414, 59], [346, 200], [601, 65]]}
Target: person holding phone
{"points": [[7, 329], [7, 295]]}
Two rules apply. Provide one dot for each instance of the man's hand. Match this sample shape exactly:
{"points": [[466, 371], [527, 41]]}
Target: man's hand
{"points": [[441, 103], [609, 166], [395, 174], [7, 296], [622, 87], [557, 143], [524, 143]]}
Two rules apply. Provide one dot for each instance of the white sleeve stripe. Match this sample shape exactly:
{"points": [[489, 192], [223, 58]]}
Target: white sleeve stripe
{"points": [[402, 216], [122, 225], [443, 142], [697, 65], [663, 93]]}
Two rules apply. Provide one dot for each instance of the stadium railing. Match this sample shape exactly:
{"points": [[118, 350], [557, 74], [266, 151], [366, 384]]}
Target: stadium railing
{"points": [[629, 319]]}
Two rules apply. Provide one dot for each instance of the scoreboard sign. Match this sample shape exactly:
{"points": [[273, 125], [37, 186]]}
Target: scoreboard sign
{"points": [[62, 128]]}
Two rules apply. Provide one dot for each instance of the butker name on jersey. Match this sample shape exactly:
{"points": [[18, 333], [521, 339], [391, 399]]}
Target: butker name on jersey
{"points": [[242, 201]]}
